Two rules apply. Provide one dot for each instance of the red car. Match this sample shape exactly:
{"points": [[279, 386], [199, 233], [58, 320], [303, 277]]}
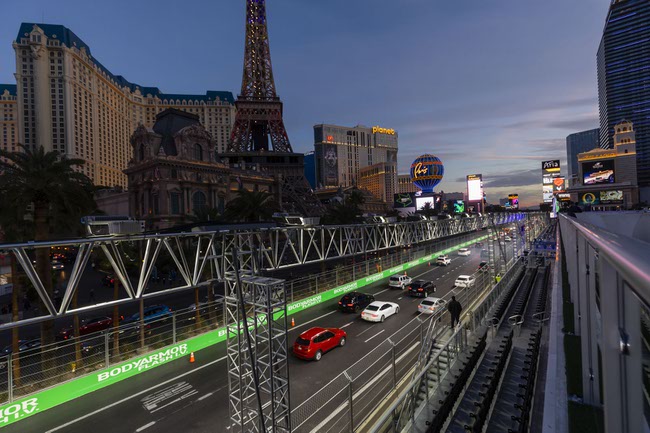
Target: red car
{"points": [[313, 343], [87, 327]]}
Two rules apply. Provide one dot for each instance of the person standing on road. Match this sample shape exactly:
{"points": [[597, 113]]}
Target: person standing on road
{"points": [[454, 309]]}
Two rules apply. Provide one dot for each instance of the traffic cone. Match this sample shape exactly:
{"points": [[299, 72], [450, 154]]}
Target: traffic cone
{"points": [[293, 322], [191, 357]]}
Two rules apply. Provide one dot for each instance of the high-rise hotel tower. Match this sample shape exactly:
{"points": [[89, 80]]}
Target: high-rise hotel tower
{"points": [[624, 79], [66, 100]]}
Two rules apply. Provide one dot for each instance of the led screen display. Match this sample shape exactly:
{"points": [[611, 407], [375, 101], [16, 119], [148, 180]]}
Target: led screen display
{"points": [[474, 187], [598, 172], [459, 206], [420, 202], [611, 196]]}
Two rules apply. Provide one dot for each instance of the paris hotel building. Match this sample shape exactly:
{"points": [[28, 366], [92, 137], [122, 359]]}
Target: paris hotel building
{"points": [[64, 99]]}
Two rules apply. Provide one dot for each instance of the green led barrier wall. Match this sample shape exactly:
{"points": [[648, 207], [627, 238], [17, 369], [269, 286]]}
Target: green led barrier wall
{"points": [[76, 388]]}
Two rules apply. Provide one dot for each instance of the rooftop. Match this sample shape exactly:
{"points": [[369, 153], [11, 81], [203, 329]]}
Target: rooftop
{"points": [[69, 39]]}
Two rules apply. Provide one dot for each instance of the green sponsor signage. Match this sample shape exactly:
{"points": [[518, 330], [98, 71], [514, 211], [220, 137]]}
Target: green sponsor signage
{"points": [[76, 388]]}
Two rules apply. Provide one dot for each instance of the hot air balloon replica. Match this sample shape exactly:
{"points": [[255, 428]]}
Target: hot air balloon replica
{"points": [[426, 172]]}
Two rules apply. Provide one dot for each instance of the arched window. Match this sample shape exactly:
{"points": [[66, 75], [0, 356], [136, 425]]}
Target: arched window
{"points": [[199, 201], [198, 152]]}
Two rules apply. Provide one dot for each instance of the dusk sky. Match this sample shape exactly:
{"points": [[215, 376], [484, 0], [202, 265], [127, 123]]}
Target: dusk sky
{"points": [[489, 86]]}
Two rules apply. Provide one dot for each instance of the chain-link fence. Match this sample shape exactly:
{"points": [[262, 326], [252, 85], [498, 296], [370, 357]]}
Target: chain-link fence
{"points": [[35, 366], [351, 397], [44, 366]]}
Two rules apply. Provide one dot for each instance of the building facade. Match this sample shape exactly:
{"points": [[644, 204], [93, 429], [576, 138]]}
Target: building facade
{"points": [[380, 179], [578, 143], [608, 177], [173, 172], [624, 78], [69, 102], [341, 152], [8, 117], [405, 184]]}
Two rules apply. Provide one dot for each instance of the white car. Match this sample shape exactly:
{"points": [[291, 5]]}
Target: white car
{"points": [[378, 311], [464, 252], [507, 239], [431, 305], [443, 260], [56, 265], [399, 281], [465, 281]]}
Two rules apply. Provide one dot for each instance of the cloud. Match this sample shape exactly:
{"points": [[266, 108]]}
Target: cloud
{"points": [[520, 178]]}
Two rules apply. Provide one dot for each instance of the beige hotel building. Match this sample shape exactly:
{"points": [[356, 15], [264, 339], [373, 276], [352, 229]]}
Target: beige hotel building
{"points": [[66, 100]]}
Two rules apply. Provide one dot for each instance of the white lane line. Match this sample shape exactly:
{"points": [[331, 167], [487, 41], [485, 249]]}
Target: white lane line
{"points": [[381, 292], [203, 397], [312, 320], [181, 398], [347, 324], [399, 298], [137, 394], [146, 426], [374, 336], [364, 331]]}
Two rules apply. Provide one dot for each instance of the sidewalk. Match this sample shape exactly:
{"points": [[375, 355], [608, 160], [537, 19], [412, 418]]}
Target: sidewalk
{"points": [[556, 419]]}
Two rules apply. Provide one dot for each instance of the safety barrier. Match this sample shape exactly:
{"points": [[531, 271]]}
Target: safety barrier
{"points": [[74, 387]]}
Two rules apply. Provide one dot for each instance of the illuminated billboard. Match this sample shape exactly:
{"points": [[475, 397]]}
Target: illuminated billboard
{"points": [[597, 172], [563, 196], [558, 184], [547, 191], [589, 198], [459, 206], [474, 187], [513, 200], [611, 197], [421, 201], [404, 200], [550, 167]]}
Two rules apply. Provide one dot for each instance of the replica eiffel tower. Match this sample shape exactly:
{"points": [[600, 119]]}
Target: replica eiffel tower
{"points": [[259, 139]]}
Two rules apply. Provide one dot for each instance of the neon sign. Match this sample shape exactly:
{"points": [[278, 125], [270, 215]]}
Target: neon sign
{"points": [[419, 170], [378, 129]]}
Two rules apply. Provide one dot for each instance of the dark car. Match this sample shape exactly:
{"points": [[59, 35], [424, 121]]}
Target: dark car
{"points": [[95, 324], [421, 288], [312, 344], [483, 266], [355, 301], [479, 245]]}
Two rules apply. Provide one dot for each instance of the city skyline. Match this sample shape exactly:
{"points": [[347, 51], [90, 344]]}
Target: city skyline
{"points": [[505, 123]]}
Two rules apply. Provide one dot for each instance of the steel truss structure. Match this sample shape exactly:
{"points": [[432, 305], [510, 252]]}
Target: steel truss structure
{"points": [[257, 348], [200, 258], [259, 110]]}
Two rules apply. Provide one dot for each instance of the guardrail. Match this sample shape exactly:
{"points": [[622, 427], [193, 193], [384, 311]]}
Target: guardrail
{"points": [[351, 397], [442, 360], [609, 278], [100, 364]]}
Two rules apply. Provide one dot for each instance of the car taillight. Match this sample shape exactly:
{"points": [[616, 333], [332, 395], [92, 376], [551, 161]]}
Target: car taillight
{"points": [[419, 290], [350, 305], [432, 308], [340, 303]]}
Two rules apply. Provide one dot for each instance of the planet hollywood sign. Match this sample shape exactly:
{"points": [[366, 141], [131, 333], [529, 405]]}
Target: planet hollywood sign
{"points": [[380, 130]]}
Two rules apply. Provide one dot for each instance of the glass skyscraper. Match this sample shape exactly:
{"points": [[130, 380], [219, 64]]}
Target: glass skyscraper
{"points": [[624, 77], [577, 143]]}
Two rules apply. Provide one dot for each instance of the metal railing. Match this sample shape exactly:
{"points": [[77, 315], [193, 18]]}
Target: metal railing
{"points": [[609, 279], [345, 403], [45, 366], [97, 351], [426, 381]]}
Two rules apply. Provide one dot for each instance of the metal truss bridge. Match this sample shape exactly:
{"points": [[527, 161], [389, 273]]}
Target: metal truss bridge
{"points": [[198, 259]]}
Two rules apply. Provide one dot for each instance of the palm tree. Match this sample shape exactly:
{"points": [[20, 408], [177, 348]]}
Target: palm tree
{"points": [[58, 195], [355, 199], [207, 214], [12, 229], [251, 206], [428, 210]]}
